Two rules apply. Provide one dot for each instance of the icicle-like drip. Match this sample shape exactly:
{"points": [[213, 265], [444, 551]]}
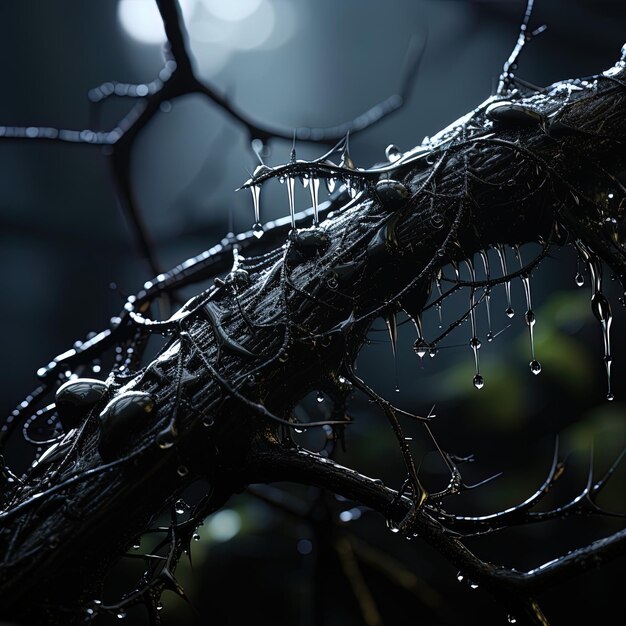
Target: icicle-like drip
{"points": [[485, 260], [601, 309], [420, 346], [507, 285], [257, 227], [579, 278], [439, 306], [535, 366], [314, 191], [474, 342], [291, 197]]}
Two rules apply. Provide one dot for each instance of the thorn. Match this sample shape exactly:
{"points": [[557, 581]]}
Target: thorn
{"points": [[346, 161], [292, 157]]}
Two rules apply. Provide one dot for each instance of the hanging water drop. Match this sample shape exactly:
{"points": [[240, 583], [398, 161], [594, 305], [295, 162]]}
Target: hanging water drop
{"points": [[121, 614], [257, 230], [439, 306], [330, 184], [485, 260], [180, 506], [511, 619], [256, 200], [535, 366], [460, 577], [314, 191], [507, 285], [291, 197], [601, 309], [320, 397], [474, 341], [579, 278]]}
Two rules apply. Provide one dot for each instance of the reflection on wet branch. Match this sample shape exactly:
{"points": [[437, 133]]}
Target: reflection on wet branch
{"points": [[223, 393]]}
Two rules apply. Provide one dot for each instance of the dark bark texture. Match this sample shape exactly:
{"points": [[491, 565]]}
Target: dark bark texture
{"points": [[242, 353]]}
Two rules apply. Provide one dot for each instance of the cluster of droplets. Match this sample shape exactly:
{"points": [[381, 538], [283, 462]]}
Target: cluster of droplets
{"points": [[309, 174], [535, 366], [422, 347]]}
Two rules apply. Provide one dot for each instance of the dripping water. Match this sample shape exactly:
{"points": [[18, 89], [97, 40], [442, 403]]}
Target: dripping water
{"points": [[257, 227], [291, 197], [507, 285], [579, 278], [601, 309], [485, 260], [535, 366], [421, 346], [439, 306], [314, 189], [474, 343]]}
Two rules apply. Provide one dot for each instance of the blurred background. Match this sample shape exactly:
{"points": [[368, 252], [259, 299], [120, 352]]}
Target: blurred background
{"points": [[64, 240]]}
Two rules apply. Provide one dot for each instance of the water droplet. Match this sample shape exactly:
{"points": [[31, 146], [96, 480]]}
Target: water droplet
{"points": [[180, 506], [137, 545], [291, 199], [610, 397], [330, 184], [510, 312], [475, 343], [580, 280], [196, 537], [257, 230], [207, 422], [320, 397], [460, 577], [314, 190], [256, 195], [600, 307], [473, 585], [511, 619], [478, 381], [159, 606], [182, 471], [535, 367], [421, 348], [121, 614]]}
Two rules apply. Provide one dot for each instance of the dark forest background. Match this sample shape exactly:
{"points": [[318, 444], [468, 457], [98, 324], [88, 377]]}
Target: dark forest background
{"points": [[64, 240]]}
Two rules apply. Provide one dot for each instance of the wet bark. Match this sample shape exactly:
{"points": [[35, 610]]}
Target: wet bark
{"points": [[248, 353]]}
